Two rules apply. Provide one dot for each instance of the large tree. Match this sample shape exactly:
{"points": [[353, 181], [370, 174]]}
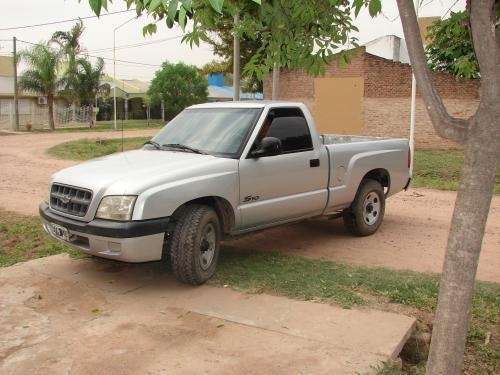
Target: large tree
{"points": [[268, 32], [220, 37], [89, 85], [178, 85], [480, 137], [42, 75], [324, 25], [69, 43]]}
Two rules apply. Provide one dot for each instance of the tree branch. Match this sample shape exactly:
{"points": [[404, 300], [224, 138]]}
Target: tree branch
{"points": [[445, 125], [482, 21]]}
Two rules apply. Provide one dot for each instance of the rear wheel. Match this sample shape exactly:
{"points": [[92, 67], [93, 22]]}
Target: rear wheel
{"points": [[366, 213], [193, 245]]}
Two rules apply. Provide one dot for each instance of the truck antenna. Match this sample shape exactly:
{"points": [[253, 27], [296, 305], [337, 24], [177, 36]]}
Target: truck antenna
{"points": [[122, 133]]}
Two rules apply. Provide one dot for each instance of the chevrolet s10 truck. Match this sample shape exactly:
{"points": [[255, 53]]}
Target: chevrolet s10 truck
{"points": [[219, 170]]}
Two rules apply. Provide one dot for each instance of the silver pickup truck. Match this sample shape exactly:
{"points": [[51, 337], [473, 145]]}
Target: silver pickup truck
{"points": [[218, 170]]}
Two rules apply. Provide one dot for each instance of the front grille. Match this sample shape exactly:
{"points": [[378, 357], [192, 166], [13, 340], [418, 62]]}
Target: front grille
{"points": [[70, 199]]}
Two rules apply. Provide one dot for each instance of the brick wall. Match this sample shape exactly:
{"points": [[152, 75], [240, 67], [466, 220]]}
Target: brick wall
{"points": [[388, 79], [386, 102], [390, 117]]}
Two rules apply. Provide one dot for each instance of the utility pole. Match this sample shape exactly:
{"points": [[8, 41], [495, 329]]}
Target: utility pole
{"points": [[15, 126], [114, 81], [236, 59], [115, 126], [162, 111], [276, 82], [412, 111]]}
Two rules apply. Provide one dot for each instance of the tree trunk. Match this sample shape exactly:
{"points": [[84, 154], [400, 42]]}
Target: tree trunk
{"points": [[481, 139], [91, 116], [464, 246], [148, 113], [73, 112], [50, 103]]}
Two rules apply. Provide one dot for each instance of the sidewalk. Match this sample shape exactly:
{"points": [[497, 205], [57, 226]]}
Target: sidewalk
{"points": [[60, 315]]}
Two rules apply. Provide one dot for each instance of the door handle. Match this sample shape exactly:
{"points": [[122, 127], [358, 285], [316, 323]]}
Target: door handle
{"points": [[313, 163]]}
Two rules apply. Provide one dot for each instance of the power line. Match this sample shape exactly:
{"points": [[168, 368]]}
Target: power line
{"points": [[452, 5], [420, 6], [140, 44], [123, 61], [102, 57], [64, 21], [389, 18]]}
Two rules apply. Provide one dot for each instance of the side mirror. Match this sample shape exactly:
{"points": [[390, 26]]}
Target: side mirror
{"points": [[269, 146]]}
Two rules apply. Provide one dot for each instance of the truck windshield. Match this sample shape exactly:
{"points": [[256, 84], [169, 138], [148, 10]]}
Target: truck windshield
{"points": [[216, 131]]}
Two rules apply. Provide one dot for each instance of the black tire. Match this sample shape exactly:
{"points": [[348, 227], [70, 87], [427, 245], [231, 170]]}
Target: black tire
{"points": [[186, 243], [355, 217]]}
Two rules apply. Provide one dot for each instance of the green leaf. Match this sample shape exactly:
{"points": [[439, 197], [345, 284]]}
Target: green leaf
{"points": [[188, 4], [343, 61], [154, 4], [172, 9], [258, 2], [150, 29], [182, 18], [217, 5], [375, 7], [170, 22], [96, 6], [358, 4]]}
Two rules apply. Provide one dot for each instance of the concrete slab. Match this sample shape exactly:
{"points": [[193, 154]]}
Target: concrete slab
{"points": [[59, 315]]}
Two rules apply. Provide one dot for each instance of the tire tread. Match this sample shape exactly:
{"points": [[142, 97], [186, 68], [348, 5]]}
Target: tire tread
{"points": [[181, 247]]}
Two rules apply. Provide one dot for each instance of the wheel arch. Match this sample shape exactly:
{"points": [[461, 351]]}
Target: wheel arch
{"points": [[221, 206], [381, 175]]}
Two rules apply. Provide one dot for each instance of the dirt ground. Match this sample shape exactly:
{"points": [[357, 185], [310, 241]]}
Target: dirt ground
{"points": [[413, 235], [64, 316]]}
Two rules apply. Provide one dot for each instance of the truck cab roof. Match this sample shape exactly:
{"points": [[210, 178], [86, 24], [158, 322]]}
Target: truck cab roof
{"points": [[249, 104]]}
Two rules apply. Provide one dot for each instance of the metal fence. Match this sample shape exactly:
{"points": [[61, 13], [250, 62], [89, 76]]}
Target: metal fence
{"points": [[35, 117]]}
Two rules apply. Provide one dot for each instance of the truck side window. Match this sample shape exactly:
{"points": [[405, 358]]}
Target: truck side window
{"points": [[290, 127]]}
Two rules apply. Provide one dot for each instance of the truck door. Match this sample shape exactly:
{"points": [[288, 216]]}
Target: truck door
{"points": [[285, 186]]}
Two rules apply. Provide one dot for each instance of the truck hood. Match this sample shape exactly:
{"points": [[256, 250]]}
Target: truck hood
{"points": [[133, 172]]}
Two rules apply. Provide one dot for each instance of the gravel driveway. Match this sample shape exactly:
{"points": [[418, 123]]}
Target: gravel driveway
{"points": [[413, 235]]}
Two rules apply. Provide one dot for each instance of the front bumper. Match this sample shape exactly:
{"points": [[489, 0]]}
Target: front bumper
{"points": [[129, 241]]}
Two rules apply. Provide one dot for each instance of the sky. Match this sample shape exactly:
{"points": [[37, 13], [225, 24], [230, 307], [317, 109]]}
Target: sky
{"points": [[98, 35]]}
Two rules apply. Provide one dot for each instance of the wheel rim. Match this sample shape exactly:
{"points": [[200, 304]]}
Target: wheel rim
{"points": [[371, 208], [207, 247]]}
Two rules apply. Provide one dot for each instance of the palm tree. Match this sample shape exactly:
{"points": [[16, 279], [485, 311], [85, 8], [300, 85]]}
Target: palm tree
{"points": [[42, 75], [69, 43], [88, 83]]}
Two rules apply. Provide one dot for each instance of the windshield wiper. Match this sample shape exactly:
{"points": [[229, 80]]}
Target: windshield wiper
{"points": [[183, 147], [154, 144]]}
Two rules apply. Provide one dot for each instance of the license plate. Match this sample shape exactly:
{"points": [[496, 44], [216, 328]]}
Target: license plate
{"points": [[59, 232]]}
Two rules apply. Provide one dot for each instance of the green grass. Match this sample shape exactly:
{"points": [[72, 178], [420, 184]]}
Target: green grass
{"points": [[304, 278], [351, 286], [108, 125], [85, 149], [23, 238], [441, 169]]}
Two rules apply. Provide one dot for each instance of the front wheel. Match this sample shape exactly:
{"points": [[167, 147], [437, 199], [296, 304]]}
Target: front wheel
{"points": [[366, 213], [194, 244]]}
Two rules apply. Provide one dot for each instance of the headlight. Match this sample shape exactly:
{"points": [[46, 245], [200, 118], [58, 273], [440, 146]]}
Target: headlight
{"points": [[116, 207]]}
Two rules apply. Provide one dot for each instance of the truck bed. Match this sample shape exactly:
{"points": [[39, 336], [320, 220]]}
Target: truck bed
{"points": [[352, 156], [330, 139]]}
